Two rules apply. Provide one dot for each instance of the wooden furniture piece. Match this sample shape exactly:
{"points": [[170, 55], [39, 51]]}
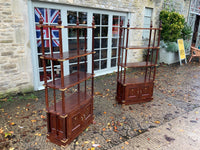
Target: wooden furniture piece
{"points": [[131, 90], [195, 52], [69, 111]]}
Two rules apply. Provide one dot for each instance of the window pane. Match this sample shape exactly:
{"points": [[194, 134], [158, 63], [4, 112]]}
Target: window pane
{"points": [[115, 20], [72, 44], [44, 14], [46, 46], [42, 75], [82, 17], [54, 15], [104, 43], [104, 32], [96, 65], [113, 62], [72, 17], [72, 33], [96, 55], [104, 19], [115, 31], [96, 43], [103, 64], [114, 42], [97, 19], [122, 18], [114, 52], [103, 53], [97, 32]]}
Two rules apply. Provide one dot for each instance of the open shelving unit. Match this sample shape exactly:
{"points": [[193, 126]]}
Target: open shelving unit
{"points": [[137, 89], [69, 112]]}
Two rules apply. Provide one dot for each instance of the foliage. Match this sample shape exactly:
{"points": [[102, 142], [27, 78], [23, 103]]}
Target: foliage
{"points": [[172, 25], [172, 47], [186, 32]]}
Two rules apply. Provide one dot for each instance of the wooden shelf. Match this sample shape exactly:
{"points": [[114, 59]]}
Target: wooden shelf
{"points": [[140, 47], [70, 80], [66, 55], [132, 80], [137, 64], [71, 103]]}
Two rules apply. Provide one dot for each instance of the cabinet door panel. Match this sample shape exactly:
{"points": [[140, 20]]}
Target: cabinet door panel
{"points": [[132, 93], [87, 112], [75, 122], [146, 91]]}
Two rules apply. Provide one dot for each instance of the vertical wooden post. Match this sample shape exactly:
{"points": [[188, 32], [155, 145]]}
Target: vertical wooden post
{"points": [[44, 63], [122, 51], [85, 43], [61, 66], [78, 63], [158, 45], [127, 37], [148, 51], [93, 26], [119, 52], [52, 65]]}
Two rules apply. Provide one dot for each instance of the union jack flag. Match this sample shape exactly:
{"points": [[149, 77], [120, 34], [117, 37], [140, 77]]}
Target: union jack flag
{"points": [[48, 16]]}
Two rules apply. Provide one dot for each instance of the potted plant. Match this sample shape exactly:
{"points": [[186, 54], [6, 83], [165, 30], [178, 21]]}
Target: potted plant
{"points": [[173, 28]]}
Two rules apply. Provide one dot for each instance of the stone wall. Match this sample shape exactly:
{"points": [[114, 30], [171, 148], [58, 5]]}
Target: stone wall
{"points": [[15, 55], [15, 52]]}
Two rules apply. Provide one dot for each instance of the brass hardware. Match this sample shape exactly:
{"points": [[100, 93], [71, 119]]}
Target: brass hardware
{"points": [[127, 48], [64, 146], [64, 116], [44, 85], [61, 60], [42, 57], [59, 26], [62, 90], [47, 134], [64, 141]]}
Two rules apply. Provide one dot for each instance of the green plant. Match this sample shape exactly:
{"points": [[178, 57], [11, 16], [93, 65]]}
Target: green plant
{"points": [[186, 32], [172, 25], [172, 47]]}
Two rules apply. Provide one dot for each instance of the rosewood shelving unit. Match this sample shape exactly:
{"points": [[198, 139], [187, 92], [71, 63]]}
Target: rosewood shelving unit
{"points": [[68, 113], [134, 89]]}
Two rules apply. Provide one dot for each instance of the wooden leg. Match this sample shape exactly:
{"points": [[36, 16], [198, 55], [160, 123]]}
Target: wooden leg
{"points": [[190, 59]]}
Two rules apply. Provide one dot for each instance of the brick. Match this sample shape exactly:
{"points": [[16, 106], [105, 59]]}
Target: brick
{"points": [[7, 13]]}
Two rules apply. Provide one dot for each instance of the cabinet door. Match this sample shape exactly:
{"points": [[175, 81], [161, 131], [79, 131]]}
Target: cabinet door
{"points": [[132, 93], [87, 113], [75, 122], [146, 91]]}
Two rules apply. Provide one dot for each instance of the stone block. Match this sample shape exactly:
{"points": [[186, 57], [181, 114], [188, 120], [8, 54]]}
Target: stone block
{"points": [[6, 41], [9, 66], [9, 53], [7, 13]]}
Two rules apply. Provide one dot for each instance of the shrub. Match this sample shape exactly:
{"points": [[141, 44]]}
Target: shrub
{"points": [[172, 25]]}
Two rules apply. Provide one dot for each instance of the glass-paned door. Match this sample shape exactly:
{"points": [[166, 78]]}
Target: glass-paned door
{"points": [[115, 38], [72, 38], [49, 16], [101, 41]]}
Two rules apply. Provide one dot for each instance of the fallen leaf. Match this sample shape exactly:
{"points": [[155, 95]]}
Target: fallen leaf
{"points": [[104, 129], [169, 104], [7, 134], [157, 122], [196, 112], [92, 148], [1, 130], [77, 143], [181, 130], [140, 131], [11, 148], [122, 147], [33, 121], [42, 116], [148, 139], [123, 118], [86, 142], [126, 143], [12, 124], [38, 134], [104, 112], [95, 145]]}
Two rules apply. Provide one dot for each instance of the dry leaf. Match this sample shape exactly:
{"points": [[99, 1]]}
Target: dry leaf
{"points": [[157, 122], [33, 121], [104, 129], [126, 143], [169, 104], [104, 112], [12, 123], [1, 130], [42, 116]]}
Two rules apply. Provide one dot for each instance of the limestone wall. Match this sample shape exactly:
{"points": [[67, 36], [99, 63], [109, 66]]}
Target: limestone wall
{"points": [[16, 70], [15, 52]]}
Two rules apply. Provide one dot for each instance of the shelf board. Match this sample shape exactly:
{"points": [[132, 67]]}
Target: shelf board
{"points": [[140, 47], [67, 55], [69, 80], [132, 80], [71, 103], [137, 64]]}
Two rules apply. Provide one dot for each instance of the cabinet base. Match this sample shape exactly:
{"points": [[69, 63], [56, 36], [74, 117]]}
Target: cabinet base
{"points": [[134, 93], [63, 130]]}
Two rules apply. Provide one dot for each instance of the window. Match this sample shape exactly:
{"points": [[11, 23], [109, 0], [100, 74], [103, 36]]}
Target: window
{"points": [[147, 22]]}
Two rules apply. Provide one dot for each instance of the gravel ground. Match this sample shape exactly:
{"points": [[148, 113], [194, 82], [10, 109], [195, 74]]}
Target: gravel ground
{"points": [[177, 91]]}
